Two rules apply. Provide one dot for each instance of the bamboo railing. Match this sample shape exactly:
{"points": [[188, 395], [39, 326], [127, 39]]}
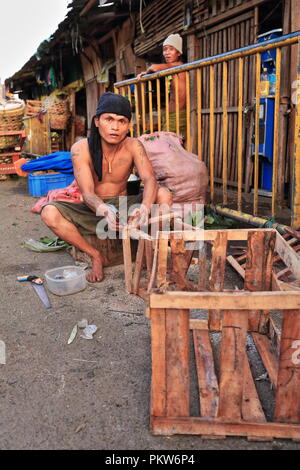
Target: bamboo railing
{"points": [[144, 105]]}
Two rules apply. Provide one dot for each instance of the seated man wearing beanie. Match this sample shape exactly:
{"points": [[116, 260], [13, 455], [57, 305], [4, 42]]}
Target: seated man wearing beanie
{"points": [[172, 50], [102, 164]]}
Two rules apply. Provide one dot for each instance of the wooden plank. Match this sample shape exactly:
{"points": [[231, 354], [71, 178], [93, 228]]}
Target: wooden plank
{"points": [[232, 359], [216, 279], [258, 270], [287, 407], [180, 264], [202, 262], [227, 300], [265, 350], [158, 355], [149, 257], [154, 267], [288, 255], [207, 380], [162, 260], [197, 324], [251, 407], [138, 266], [127, 260], [211, 235], [200, 426], [177, 362]]}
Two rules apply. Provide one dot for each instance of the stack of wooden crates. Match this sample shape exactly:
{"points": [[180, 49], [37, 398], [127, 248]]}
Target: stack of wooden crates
{"points": [[227, 327]]}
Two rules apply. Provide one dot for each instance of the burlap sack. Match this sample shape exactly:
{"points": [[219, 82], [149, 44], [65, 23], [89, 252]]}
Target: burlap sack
{"points": [[180, 171]]}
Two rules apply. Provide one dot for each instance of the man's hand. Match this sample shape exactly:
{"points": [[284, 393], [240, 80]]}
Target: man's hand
{"points": [[140, 75], [111, 216], [139, 216]]}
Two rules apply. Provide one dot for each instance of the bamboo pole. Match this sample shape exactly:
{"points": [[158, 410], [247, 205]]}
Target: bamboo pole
{"points": [[158, 97], [296, 157], [167, 103], [276, 136], [137, 110], [212, 129], [188, 111], [130, 101], [257, 106], [177, 103], [143, 107], [225, 130], [240, 132], [199, 115], [150, 105]]}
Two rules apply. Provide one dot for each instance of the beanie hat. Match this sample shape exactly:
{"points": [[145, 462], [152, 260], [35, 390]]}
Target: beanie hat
{"points": [[174, 40], [114, 103]]}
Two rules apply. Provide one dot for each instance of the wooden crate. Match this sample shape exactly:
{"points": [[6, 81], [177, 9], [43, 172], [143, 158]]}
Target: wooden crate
{"points": [[230, 400]]}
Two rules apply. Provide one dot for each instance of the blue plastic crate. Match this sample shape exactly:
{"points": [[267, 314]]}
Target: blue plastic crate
{"points": [[39, 185]]}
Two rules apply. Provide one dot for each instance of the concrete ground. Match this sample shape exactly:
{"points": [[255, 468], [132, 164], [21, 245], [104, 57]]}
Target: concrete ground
{"points": [[91, 394]]}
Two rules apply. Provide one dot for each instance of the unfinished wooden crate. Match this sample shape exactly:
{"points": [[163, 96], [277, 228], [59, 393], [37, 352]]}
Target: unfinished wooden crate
{"points": [[230, 400]]}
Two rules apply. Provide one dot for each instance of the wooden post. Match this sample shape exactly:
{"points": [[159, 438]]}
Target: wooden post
{"points": [[216, 279], [177, 363], [158, 352], [295, 223], [193, 54], [232, 360], [258, 270], [287, 407]]}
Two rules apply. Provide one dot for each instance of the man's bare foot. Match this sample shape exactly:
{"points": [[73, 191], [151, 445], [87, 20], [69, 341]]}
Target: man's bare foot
{"points": [[96, 274]]}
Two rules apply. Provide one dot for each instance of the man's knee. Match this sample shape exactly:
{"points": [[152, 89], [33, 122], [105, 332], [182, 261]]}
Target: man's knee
{"points": [[164, 196], [50, 215]]}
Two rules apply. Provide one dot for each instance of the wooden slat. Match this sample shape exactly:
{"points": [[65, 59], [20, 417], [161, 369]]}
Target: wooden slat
{"points": [[158, 354], [202, 262], [201, 426], [264, 347], [232, 359], [258, 269], [138, 266], [149, 257], [288, 255], [211, 235], [216, 279], [177, 362], [287, 407], [162, 261], [228, 301], [196, 324], [207, 380], [251, 407], [127, 260], [180, 264]]}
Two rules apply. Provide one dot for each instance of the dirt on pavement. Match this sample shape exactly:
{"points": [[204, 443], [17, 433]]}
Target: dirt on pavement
{"points": [[91, 394]]}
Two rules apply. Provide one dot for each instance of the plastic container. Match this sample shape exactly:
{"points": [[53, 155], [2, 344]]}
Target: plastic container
{"points": [[272, 77], [264, 83], [39, 185], [66, 280]]}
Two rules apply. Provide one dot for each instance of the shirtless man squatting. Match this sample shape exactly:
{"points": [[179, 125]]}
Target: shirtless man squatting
{"points": [[102, 164]]}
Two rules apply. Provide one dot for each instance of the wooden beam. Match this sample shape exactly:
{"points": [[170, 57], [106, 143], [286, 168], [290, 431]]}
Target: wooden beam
{"points": [[88, 7], [200, 426], [207, 380], [227, 300], [232, 358], [177, 363]]}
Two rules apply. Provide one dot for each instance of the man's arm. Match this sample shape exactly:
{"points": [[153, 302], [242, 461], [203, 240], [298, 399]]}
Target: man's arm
{"points": [[82, 171], [157, 68], [146, 173]]}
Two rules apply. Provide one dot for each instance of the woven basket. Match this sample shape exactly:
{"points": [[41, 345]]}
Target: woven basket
{"points": [[33, 107], [11, 119], [59, 114]]}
